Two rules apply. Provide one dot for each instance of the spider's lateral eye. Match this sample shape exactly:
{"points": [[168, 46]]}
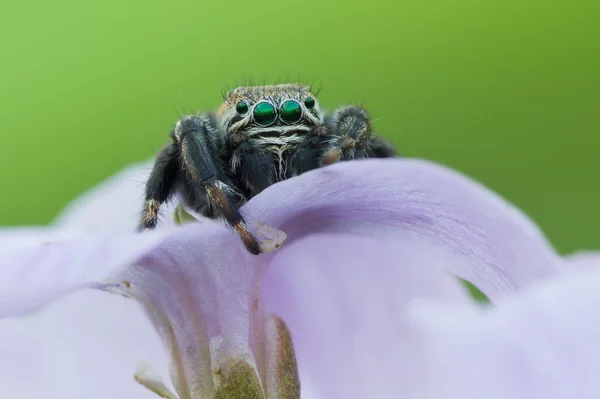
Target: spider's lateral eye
{"points": [[241, 107], [291, 111], [309, 102], [264, 113]]}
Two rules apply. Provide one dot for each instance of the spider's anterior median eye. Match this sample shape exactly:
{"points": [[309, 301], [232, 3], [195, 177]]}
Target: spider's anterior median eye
{"points": [[291, 111], [309, 102], [241, 107], [264, 113]]}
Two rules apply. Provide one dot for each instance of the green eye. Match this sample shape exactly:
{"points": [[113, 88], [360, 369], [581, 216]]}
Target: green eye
{"points": [[241, 107], [291, 111], [264, 113], [309, 102]]}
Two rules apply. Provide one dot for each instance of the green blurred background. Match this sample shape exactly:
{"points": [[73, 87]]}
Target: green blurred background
{"points": [[505, 91]]}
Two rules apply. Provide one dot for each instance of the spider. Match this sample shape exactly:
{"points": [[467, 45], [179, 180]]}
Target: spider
{"points": [[259, 136]]}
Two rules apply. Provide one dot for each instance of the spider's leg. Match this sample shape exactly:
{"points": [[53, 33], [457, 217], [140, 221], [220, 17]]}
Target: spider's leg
{"points": [[380, 148], [160, 184], [254, 166], [206, 176], [307, 154], [350, 137]]}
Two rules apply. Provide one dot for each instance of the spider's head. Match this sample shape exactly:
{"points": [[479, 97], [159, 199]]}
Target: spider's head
{"points": [[270, 110]]}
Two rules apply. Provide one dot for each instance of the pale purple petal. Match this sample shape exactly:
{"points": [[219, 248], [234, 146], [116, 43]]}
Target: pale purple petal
{"points": [[503, 248], [583, 260], [364, 239], [196, 280], [484, 239], [203, 284], [47, 263], [542, 343], [113, 205], [341, 296], [31, 360], [85, 345]]}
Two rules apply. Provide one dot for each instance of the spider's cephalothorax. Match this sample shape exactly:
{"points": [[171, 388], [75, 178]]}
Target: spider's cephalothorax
{"points": [[259, 136]]}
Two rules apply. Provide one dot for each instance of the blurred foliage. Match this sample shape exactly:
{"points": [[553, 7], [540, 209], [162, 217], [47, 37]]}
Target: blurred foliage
{"points": [[475, 292], [505, 91]]}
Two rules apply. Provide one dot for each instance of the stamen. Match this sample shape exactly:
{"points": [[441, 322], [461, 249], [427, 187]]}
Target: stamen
{"points": [[282, 369], [148, 378], [238, 381]]}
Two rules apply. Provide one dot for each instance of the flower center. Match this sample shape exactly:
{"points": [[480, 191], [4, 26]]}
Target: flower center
{"points": [[230, 377], [240, 381]]}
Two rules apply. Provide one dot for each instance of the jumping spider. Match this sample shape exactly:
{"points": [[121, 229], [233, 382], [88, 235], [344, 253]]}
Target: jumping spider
{"points": [[259, 136]]}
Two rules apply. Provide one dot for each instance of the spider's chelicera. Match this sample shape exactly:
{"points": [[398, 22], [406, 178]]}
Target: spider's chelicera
{"points": [[260, 135]]}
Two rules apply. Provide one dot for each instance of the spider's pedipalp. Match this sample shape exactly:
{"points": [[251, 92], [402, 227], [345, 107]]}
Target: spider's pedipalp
{"points": [[351, 137]]}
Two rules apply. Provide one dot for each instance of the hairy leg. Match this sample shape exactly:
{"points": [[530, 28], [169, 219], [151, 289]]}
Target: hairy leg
{"points": [[254, 166], [350, 137], [206, 175], [160, 184], [307, 154], [380, 148]]}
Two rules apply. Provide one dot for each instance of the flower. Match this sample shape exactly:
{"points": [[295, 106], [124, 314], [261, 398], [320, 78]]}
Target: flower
{"points": [[541, 343], [363, 283]]}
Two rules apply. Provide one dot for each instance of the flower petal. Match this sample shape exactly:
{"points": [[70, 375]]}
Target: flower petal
{"points": [[488, 242], [42, 265], [113, 205], [197, 281], [540, 344], [199, 288], [341, 296], [583, 260], [31, 361], [85, 345], [202, 290], [505, 250], [412, 211]]}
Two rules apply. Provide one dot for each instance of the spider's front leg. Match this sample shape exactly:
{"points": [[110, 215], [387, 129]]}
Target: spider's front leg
{"points": [[160, 185], [206, 175], [350, 137]]}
